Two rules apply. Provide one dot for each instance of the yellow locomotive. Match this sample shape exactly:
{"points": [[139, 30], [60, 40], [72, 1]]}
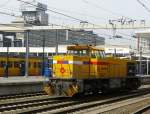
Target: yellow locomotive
{"points": [[86, 69], [16, 66]]}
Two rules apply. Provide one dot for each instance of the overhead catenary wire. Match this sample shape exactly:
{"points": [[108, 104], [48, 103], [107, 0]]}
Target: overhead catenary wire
{"points": [[100, 26], [80, 20], [9, 9], [104, 9], [51, 10], [48, 9], [9, 14], [13, 15], [65, 14], [37, 35], [79, 13], [73, 42], [143, 5], [31, 24]]}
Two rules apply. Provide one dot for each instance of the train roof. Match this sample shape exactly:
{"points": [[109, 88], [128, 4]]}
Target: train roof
{"points": [[83, 47]]}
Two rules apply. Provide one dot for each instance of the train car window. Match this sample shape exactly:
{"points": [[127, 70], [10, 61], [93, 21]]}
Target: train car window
{"points": [[34, 65], [29, 64], [95, 54], [78, 52], [84, 52], [104, 55], [10, 64], [3, 63], [39, 64], [0, 63], [16, 64], [98, 54]]}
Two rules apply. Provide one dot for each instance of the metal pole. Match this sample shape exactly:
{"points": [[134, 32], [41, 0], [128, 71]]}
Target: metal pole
{"points": [[147, 65], [140, 67], [43, 57], [115, 52], [7, 62], [27, 53], [138, 42], [95, 39], [67, 35], [56, 42]]}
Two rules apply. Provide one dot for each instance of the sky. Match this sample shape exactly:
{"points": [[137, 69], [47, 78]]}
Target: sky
{"points": [[94, 11]]}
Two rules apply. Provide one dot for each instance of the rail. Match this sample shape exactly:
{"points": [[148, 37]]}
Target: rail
{"points": [[47, 104]]}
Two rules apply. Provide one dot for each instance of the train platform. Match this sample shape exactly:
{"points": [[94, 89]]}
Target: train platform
{"points": [[21, 79], [21, 84]]}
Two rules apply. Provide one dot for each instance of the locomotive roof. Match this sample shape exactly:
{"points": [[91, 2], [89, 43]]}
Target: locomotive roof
{"points": [[83, 47]]}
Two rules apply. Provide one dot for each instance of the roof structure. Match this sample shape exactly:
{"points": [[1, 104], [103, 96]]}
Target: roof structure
{"points": [[145, 33]]}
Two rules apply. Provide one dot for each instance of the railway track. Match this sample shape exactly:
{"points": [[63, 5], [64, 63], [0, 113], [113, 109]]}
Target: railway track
{"points": [[143, 110], [46, 104], [21, 95], [127, 106]]}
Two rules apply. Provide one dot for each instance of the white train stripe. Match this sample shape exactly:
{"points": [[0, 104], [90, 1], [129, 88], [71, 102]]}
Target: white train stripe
{"points": [[54, 62], [70, 62]]}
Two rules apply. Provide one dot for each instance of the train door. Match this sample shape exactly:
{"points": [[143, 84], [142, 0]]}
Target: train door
{"points": [[47, 68], [22, 68]]}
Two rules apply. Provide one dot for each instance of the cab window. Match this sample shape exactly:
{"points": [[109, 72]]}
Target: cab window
{"points": [[16, 64], [78, 52], [97, 54]]}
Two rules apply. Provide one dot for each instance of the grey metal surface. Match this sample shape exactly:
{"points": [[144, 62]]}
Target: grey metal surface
{"points": [[20, 85]]}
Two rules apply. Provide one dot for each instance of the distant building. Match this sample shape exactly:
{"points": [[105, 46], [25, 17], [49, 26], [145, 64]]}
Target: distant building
{"points": [[34, 15]]}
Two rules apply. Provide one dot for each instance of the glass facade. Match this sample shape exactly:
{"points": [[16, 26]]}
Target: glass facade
{"points": [[49, 38]]}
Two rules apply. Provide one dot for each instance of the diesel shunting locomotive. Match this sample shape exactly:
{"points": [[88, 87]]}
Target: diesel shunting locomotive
{"points": [[86, 69]]}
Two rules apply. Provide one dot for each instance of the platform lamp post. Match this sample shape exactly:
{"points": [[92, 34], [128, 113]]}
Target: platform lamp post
{"points": [[27, 53]]}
